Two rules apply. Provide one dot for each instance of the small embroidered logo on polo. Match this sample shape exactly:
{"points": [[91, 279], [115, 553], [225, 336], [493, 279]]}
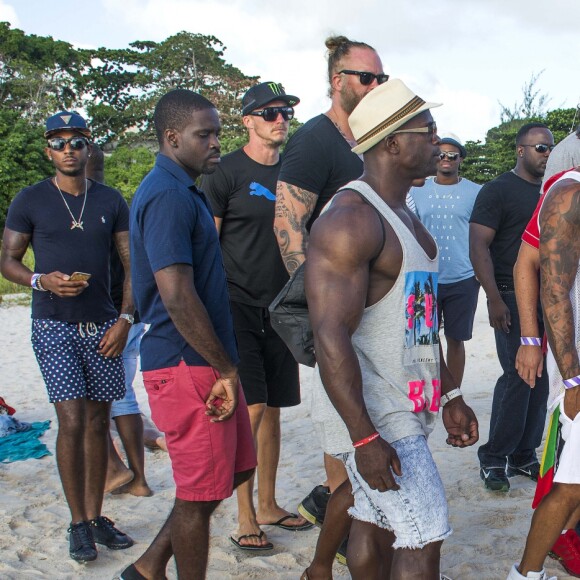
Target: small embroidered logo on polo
{"points": [[103, 219]]}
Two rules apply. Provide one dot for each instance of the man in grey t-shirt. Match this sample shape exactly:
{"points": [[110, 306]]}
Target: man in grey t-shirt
{"points": [[444, 207]]}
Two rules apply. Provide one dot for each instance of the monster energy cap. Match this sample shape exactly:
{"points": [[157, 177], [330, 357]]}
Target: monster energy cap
{"points": [[264, 93]]}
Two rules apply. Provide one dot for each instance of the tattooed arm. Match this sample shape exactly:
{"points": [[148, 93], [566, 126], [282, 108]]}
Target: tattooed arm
{"points": [[294, 207], [559, 256]]}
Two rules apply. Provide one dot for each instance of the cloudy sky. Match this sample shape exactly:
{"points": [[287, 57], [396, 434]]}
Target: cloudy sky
{"points": [[468, 54]]}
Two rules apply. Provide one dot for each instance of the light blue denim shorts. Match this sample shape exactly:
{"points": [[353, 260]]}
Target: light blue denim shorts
{"points": [[417, 512], [128, 405]]}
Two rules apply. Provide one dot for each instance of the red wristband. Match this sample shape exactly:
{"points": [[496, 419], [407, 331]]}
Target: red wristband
{"points": [[366, 440]]}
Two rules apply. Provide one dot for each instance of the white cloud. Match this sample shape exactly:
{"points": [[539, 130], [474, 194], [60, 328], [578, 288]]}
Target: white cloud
{"points": [[470, 54], [8, 14]]}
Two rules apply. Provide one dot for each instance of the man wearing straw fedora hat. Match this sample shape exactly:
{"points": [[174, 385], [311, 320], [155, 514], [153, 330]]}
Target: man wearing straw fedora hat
{"points": [[371, 283]]}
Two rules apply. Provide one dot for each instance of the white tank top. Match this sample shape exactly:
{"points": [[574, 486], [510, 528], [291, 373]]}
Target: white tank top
{"points": [[397, 344]]}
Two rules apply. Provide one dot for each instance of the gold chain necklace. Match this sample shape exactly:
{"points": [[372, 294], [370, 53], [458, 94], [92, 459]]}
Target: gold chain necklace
{"points": [[75, 223]]}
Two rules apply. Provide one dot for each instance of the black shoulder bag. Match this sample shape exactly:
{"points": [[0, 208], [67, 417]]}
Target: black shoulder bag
{"points": [[289, 318]]}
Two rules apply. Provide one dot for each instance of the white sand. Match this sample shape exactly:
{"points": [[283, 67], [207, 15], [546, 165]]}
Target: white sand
{"points": [[489, 529]]}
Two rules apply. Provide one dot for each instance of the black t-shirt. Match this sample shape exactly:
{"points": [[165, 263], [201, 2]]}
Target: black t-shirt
{"points": [[505, 204], [40, 211], [242, 193], [318, 159]]}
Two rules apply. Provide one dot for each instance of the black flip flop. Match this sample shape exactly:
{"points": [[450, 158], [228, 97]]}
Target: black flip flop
{"points": [[280, 524], [250, 548]]}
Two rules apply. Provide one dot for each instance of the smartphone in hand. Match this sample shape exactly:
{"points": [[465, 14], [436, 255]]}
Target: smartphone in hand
{"points": [[79, 276]]}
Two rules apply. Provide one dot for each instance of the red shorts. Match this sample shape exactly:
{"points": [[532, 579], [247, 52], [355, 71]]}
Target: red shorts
{"points": [[204, 455]]}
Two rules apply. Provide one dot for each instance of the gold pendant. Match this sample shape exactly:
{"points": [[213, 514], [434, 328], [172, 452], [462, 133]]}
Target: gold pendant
{"points": [[76, 224]]}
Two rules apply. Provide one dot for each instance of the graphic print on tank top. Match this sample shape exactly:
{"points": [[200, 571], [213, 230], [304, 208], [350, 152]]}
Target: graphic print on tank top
{"points": [[421, 324]]}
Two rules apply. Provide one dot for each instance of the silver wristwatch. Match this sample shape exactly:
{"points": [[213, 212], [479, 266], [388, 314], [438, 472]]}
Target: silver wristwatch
{"points": [[450, 396], [128, 317]]}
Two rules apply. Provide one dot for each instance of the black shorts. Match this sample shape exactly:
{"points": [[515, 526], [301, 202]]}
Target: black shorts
{"points": [[456, 305], [268, 371]]}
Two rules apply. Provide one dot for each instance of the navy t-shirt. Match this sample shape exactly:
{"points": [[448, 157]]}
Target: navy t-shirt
{"points": [[172, 223], [242, 193], [505, 204], [318, 159], [39, 210]]}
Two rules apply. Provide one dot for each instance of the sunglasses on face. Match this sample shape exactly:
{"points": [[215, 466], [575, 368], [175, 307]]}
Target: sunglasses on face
{"points": [[430, 129], [59, 143], [366, 78], [541, 147], [451, 155], [270, 114]]}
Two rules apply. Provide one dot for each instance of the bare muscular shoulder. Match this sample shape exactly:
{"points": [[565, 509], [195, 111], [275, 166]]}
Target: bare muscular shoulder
{"points": [[350, 236]]}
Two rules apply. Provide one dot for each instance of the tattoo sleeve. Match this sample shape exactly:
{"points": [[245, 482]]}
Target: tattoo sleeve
{"points": [[294, 207], [559, 255], [122, 244]]}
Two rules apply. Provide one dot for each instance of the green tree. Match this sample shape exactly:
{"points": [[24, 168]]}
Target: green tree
{"points": [[23, 161], [126, 167], [485, 161], [123, 86], [39, 75], [496, 155]]}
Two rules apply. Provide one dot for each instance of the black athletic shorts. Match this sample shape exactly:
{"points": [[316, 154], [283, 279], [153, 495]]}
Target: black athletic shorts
{"points": [[268, 371], [456, 305]]}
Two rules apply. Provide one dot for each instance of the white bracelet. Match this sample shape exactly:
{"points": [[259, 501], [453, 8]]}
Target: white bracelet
{"points": [[36, 284], [453, 394]]}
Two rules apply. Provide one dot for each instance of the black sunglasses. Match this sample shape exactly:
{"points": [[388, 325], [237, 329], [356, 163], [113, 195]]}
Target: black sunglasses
{"points": [[451, 155], [430, 129], [366, 78], [59, 143], [270, 114], [541, 147]]}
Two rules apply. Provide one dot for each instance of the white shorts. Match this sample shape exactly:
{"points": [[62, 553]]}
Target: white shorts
{"points": [[569, 464]]}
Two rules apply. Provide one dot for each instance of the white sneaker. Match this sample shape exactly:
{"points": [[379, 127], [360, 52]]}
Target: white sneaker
{"points": [[515, 575]]}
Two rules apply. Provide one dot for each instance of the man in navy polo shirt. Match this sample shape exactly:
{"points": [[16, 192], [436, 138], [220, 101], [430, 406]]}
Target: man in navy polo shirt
{"points": [[70, 222], [188, 356]]}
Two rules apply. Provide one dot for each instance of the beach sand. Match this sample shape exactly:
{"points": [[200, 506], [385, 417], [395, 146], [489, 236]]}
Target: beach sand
{"points": [[489, 529]]}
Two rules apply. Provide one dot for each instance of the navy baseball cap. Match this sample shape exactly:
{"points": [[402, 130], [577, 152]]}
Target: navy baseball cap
{"points": [[264, 93], [455, 143], [66, 121]]}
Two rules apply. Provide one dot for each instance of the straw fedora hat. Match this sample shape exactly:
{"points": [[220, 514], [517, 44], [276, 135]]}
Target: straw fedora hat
{"points": [[383, 111]]}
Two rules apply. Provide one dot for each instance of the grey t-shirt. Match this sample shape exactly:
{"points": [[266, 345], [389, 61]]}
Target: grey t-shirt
{"points": [[564, 156]]}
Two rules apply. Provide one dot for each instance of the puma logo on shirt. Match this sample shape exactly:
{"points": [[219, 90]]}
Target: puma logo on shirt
{"points": [[260, 190]]}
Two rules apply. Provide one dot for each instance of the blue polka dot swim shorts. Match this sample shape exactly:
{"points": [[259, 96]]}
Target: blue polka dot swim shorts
{"points": [[70, 363]]}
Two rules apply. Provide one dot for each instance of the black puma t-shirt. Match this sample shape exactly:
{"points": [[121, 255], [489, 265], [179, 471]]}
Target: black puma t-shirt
{"points": [[243, 193]]}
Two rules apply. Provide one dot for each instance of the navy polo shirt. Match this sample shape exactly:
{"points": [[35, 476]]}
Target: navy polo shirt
{"points": [[171, 223]]}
